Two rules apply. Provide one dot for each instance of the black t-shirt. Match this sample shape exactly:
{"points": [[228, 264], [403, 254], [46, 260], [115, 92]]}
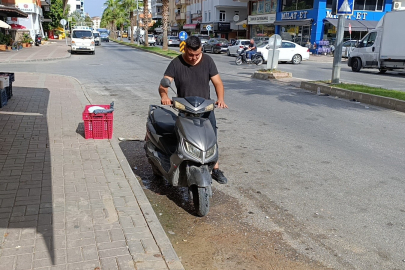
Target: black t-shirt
{"points": [[253, 45], [192, 80]]}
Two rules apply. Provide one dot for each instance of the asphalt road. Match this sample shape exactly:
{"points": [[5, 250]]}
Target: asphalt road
{"points": [[325, 173]]}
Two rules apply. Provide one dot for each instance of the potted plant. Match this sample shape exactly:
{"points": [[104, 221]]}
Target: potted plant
{"points": [[3, 42], [26, 39]]}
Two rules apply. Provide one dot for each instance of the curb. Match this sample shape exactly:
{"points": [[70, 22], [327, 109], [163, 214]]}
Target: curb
{"points": [[165, 56], [271, 76], [159, 235], [36, 60], [385, 102]]}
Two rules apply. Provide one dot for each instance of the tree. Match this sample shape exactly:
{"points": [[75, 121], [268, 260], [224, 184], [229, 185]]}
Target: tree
{"points": [[110, 16], [122, 17], [165, 20], [145, 22], [55, 13], [131, 6]]}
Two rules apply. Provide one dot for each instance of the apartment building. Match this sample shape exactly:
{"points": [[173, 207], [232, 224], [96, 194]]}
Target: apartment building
{"points": [[156, 9], [76, 5], [96, 22]]}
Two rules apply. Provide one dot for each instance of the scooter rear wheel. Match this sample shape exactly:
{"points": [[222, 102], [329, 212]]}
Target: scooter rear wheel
{"points": [[238, 61], [201, 199]]}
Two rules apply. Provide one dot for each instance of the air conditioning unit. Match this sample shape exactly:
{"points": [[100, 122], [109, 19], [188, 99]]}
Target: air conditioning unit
{"points": [[396, 5]]}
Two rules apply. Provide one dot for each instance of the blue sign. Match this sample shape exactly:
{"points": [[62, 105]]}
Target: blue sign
{"points": [[183, 35], [208, 27], [344, 7]]}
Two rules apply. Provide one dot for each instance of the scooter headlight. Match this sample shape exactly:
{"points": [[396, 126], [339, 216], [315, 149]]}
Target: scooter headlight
{"points": [[192, 150], [209, 107], [211, 152], [179, 106]]}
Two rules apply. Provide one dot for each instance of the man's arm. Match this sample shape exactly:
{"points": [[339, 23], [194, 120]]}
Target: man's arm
{"points": [[219, 89], [164, 93]]}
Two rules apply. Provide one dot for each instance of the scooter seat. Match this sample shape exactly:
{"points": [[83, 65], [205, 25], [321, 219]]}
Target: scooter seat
{"points": [[164, 121]]}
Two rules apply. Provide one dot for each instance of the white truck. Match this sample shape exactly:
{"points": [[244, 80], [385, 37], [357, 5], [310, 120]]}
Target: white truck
{"points": [[382, 48]]}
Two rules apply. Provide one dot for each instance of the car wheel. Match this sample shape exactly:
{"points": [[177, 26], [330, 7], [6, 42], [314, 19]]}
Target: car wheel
{"points": [[296, 59], [356, 64], [228, 53], [382, 71], [203, 49]]}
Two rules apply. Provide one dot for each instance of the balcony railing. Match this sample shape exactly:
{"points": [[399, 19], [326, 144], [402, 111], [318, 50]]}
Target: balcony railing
{"points": [[182, 2]]}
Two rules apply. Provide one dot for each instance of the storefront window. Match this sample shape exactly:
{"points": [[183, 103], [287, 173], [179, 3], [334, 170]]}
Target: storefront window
{"points": [[372, 5], [260, 7], [298, 34], [329, 33], [264, 7], [260, 30], [254, 8], [289, 5]]}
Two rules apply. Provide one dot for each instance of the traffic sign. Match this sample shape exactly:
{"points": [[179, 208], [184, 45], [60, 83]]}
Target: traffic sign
{"points": [[182, 46], [208, 27], [63, 22], [244, 25], [344, 7], [183, 35]]}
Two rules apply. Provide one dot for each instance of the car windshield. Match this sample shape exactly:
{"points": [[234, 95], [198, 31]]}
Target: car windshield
{"points": [[96, 34], [104, 33], [175, 38], [82, 34], [150, 36], [222, 40], [246, 42]]}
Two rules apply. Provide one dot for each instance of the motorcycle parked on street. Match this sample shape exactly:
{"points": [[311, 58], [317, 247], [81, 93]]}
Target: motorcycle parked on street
{"points": [[182, 147], [257, 58], [38, 39]]}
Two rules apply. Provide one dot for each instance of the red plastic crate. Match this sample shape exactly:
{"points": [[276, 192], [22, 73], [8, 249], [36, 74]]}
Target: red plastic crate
{"points": [[98, 126]]}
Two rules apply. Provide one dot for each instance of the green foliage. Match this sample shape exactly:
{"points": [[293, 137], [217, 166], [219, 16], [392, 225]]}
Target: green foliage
{"points": [[5, 39], [26, 38], [55, 13]]}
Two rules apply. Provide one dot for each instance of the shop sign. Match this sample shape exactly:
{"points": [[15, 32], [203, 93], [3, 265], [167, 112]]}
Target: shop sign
{"points": [[294, 15], [27, 8], [262, 19], [223, 27], [355, 16]]}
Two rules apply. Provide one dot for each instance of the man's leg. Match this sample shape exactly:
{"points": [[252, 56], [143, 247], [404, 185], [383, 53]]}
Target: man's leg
{"points": [[217, 174]]}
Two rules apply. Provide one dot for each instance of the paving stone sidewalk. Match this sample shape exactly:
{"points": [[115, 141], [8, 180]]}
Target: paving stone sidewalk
{"points": [[52, 50], [67, 202]]}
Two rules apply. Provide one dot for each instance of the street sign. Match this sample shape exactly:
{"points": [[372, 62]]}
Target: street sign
{"points": [[63, 22], [236, 18], [244, 25], [350, 28], [208, 27], [183, 35], [344, 7], [182, 45]]}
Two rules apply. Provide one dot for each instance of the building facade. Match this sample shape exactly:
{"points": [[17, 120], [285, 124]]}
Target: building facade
{"points": [[310, 21], [76, 5], [33, 23], [96, 22]]}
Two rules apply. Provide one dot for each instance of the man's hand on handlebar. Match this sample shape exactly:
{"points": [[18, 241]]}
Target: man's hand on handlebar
{"points": [[166, 101]]}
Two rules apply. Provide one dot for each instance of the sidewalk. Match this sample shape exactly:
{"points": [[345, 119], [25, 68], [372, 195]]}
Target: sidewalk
{"points": [[52, 50], [67, 202]]}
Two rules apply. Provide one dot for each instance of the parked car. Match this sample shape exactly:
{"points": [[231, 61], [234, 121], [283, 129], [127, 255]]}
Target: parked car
{"points": [[216, 45], [125, 35], [97, 38], [289, 52], [151, 40], [173, 41], [237, 46], [348, 47], [82, 41]]}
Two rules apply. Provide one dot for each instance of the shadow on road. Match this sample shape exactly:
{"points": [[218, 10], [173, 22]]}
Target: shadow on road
{"points": [[26, 211], [135, 154]]}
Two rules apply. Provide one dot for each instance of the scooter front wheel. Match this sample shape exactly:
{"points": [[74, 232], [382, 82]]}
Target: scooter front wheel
{"points": [[238, 61], [201, 200]]}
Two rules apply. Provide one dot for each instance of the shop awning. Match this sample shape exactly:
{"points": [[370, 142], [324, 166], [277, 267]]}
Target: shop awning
{"points": [[189, 26], [369, 24], [4, 25], [294, 22], [12, 12], [241, 22], [356, 25]]}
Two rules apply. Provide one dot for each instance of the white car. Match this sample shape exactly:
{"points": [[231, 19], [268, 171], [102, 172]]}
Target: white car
{"points": [[236, 48], [289, 52], [97, 38], [173, 41], [348, 47], [82, 41], [151, 40]]}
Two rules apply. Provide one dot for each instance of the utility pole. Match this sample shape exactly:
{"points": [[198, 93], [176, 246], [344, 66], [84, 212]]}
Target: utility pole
{"points": [[337, 59]]}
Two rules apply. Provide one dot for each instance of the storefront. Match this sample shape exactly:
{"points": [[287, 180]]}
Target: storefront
{"points": [[33, 22], [309, 21]]}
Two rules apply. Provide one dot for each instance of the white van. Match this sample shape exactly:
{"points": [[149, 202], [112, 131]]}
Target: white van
{"points": [[82, 40], [97, 38]]}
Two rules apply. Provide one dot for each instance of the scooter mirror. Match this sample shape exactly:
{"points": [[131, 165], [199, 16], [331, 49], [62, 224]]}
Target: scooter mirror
{"points": [[165, 82]]}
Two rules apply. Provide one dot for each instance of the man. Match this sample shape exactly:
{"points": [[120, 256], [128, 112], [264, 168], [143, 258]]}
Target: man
{"points": [[251, 50], [192, 72]]}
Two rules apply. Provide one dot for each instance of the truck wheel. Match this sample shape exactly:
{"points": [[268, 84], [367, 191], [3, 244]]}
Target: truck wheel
{"points": [[382, 71], [356, 64]]}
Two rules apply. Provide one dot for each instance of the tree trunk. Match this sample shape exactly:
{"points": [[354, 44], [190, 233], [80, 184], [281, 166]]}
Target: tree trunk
{"points": [[145, 22], [122, 30], [165, 20], [131, 19]]}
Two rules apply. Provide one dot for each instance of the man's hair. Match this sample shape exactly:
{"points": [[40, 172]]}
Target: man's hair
{"points": [[193, 42]]}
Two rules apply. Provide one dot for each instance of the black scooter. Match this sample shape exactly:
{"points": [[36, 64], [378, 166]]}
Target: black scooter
{"points": [[182, 147], [38, 39], [257, 58]]}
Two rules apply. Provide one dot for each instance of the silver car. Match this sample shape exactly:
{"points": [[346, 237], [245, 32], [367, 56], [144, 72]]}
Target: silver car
{"points": [[173, 41]]}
